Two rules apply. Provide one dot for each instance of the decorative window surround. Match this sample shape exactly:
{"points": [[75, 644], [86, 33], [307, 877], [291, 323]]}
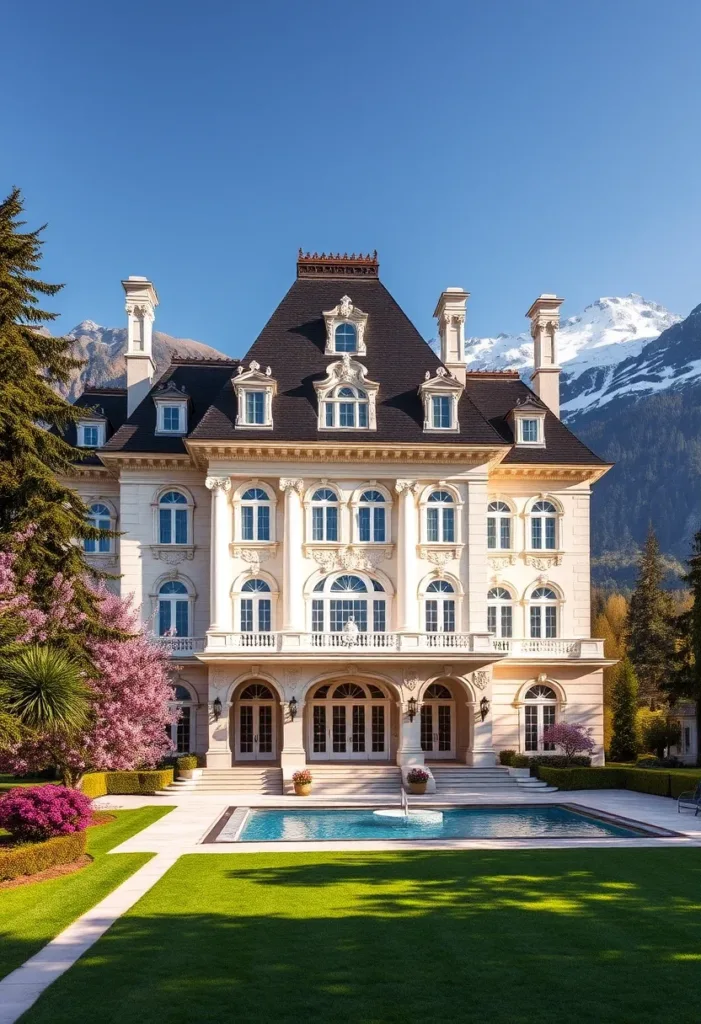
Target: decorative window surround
{"points": [[442, 385], [171, 398], [545, 509], [337, 556], [345, 313], [253, 381], [370, 498], [425, 502], [91, 433], [346, 370], [173, 554], [439, 554], [254, 552], [190, 597], [527, 421], [240, 500], [188, 506]]}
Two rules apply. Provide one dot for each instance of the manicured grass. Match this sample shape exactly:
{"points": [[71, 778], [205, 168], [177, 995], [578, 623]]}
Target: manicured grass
{"points": [[506, 937], [33, 914]]}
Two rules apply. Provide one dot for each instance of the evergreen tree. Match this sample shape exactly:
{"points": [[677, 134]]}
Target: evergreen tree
{"points": [[624, 701], [650, 626], [685, 681], [40, 517]]}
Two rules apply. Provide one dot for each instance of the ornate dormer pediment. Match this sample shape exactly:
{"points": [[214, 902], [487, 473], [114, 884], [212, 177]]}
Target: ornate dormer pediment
{"points": [[255, 390], [171, 403], [527, 421], [345, 313], [347, 398], [441, 394]]}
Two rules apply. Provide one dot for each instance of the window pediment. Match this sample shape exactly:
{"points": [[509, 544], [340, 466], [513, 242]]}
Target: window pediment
{"points": [[171, 404], [441, 394], [346, 398], [255, 390], [345, 313], [527, 421]]}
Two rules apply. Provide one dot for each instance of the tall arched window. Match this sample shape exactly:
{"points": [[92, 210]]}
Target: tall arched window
{"points": [[346, 406], [540, 711], [256, 607], [324, 515], [372, 517], [498, 526], [173, 519], [440, 518], [182, 732], [543, 612], [255, 514], [100, 517], [440, 607], [346, 338], [543, 516], [500, 615], [349, 601], [173, 609]]}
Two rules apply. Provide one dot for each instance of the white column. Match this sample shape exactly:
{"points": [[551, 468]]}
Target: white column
{"points": [[480, 753], [292, 561], [219, 558], [219, 749], [292, 754], [474, 562], [407, 602], [409, 751]]}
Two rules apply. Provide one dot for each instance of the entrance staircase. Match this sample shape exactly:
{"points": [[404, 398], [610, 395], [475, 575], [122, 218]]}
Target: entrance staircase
{"points": [[363, 780], [459, 780], [262, 781]]}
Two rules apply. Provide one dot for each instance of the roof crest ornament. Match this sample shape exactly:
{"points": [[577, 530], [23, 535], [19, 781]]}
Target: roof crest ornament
{"points": [[337, 264]]}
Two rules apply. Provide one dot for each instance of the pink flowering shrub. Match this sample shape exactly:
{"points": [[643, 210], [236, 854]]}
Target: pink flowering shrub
{"points": [[417, 775], [571, 739], [34, 813]]}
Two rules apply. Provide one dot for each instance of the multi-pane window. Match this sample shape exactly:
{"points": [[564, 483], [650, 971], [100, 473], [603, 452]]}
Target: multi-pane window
{"points": [[543, 613], [173, 609], [540, 711], [440, 607], [182, 731], [441, 412], [173, 518], [346, 338], [498, 526], [171, 418], [543, 516], [500, 620], [256, 607], [440, 518], [91, 437], [255, 407], [372, 518], [346, 599], [255, 514], [346, 407], [530, 431], [324, 515], [99, 516]]}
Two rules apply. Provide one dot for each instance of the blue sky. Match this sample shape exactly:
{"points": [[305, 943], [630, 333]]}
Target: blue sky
{"points": [[509, 147]]}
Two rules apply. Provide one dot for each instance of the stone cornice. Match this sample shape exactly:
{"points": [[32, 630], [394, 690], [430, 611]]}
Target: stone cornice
{"points": [[549, 471], [145, 460], [335, 451]]}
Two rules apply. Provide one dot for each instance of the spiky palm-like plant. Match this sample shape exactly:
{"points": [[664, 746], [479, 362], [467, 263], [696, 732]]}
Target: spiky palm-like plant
{"points": [[43, 689]]}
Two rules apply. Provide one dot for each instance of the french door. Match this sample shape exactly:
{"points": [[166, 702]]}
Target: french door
{"points": [[349, 731], [255, 731], [438, 728]]}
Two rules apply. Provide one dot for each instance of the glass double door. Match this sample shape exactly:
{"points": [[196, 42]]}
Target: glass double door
{"points": [[350, 731], [255, 731], [438, 728]]}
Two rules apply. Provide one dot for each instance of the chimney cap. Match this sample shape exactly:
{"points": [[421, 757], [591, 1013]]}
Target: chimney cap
{"points": [[140, 288], [451, 296], [546, 302]]}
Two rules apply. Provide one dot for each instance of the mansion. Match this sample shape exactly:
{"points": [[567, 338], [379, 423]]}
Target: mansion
{"points": [[354, 548]]}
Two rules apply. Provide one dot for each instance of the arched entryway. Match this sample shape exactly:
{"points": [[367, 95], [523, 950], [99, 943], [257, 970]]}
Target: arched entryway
{"points": [[255, 722], [438, 722], [348, 721]]}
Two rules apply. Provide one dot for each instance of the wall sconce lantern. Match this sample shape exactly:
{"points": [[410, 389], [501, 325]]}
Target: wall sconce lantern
{"points": [[292, 708], [412, 707], [484, 708], [216, 708]]}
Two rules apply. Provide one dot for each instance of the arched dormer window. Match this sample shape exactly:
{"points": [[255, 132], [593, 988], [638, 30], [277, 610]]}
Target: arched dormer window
{"points": [[440, 518], [499, 526], [256, 607], [255, 514], [349, 600], [500, 612], [346, 407], [543, 604], [174, 519], [347, 399], [543, 529], [324, 515], [540, 706], [371, 518], [346, 338], [173, 609], [439, 606], [100, 518]]}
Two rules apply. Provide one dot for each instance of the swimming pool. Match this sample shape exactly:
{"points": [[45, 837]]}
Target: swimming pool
{"points": [[551, 822]]}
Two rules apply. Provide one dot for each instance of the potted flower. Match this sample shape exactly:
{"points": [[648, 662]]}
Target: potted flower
{"points": [[188, 768], [302, 782], [417, 778]]}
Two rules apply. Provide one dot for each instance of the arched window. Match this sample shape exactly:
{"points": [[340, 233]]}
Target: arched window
{"points": [[182, 732], [440, 518], [324, 515], [257, 691], [372, 517], [440, 607], [346, 338], [173, 609], [256, 607], [498, 526], [543, 516], [345, 601], [100, 517], [543, 613], [540, 711], [255, 514], [173, 518], [437, 691], [346, 406], [500, 617]]}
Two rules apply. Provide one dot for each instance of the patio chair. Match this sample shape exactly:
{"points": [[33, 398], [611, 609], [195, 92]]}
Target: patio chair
{"points": [[691, 798]]}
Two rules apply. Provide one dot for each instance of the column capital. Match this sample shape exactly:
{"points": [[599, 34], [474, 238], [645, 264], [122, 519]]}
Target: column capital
{"points": [[218, 483], [406, 485], [292, 484]]}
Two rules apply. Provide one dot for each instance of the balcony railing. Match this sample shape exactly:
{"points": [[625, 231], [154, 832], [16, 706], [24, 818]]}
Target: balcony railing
{"points": [[345, 643], [180, 645], [548, 648]]}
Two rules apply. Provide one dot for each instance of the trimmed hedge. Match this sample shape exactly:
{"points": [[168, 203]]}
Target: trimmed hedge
{"points": [[681, 782], [30, 858], [142, 783], [639, 780], [644, 780]]}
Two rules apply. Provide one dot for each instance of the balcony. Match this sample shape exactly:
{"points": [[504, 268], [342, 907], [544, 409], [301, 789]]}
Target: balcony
{"points": [[555, 648], [476, 646], [181, 646]]}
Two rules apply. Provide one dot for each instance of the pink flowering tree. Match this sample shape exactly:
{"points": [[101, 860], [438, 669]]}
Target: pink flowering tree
{"points": [[571, 739]]}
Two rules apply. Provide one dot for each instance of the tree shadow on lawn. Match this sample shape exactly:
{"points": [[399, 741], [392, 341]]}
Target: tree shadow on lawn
{"points": [[516, 936]]}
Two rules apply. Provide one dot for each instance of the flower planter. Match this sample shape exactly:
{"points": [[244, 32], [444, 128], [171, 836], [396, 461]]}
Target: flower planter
{"points": [[417, 788], [190, 773], [303, 788]]}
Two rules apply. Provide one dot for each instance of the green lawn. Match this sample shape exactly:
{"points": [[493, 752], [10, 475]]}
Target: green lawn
{"points": [[503, 937], [31, 915]]}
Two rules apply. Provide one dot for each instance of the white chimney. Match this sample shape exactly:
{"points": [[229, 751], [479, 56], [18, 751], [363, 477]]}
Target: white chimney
{"points": [[140, 306], [450, 313], [544, 315]]}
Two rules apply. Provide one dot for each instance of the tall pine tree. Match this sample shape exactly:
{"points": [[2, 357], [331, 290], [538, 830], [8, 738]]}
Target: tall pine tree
{"points": [[650, 627], [624, 703], [34, 503], [685, 681]]}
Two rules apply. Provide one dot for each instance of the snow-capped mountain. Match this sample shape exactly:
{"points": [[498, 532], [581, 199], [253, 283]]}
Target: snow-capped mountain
{"points": [[103, 350], [611, 335]]}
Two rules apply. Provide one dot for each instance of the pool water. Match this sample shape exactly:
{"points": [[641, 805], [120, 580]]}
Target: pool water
{"points": [[552, 822]]}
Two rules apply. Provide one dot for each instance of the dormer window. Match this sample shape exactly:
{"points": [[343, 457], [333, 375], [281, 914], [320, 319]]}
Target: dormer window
{"points": [[345, 328], [346, 338], [346, 397], [528, 422], [529, 431], [441, 395], [91, 435], [255, 390], [441, 412], [171, 408]]}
